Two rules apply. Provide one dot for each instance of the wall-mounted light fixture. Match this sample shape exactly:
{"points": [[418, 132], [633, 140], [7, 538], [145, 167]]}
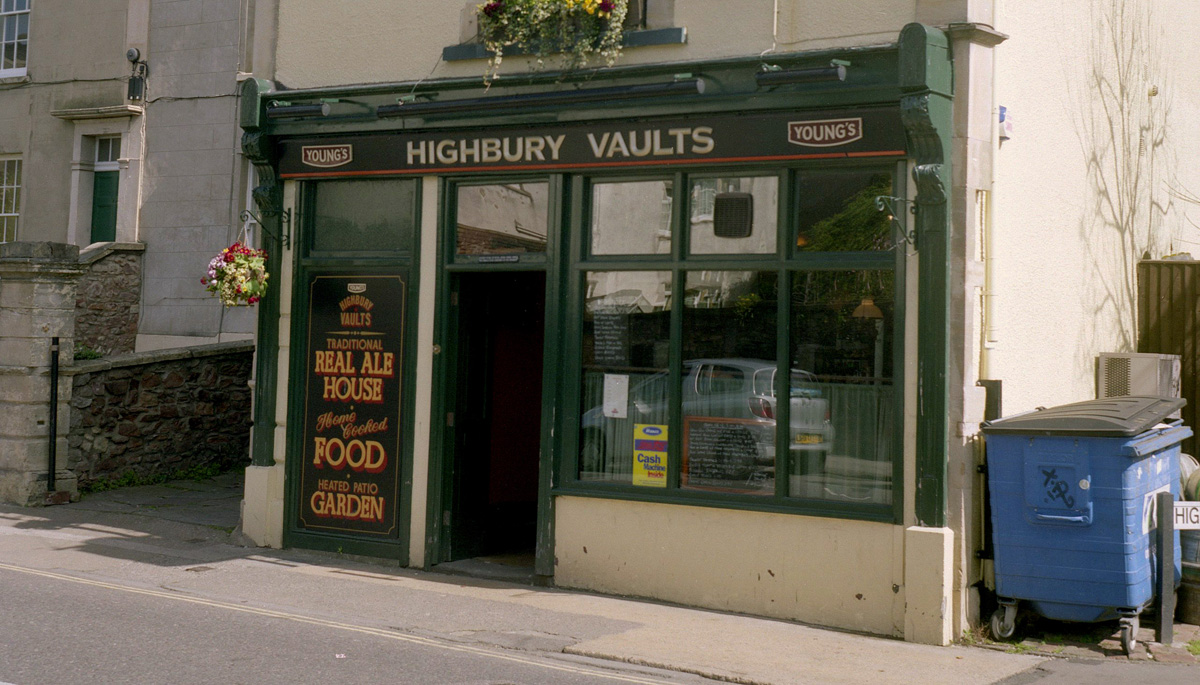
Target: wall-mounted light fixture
{"points": [[136, 90], [286, 110], [774, 76], [679, 87]]}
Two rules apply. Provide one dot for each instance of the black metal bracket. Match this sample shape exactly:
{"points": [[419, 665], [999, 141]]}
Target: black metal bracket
{"points": [[889, 204], [285, 221]]}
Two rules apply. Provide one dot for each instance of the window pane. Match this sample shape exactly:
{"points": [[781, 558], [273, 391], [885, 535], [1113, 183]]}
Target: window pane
{"points": [[729, 333], [507, 218], [842, 392], [632, 218], [734, 215], [626, 345], [837, 211], [361, 216]]}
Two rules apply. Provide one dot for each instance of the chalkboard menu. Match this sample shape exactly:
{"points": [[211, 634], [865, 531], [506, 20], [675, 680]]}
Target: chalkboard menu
{"points": [[350, 465], [610, 330], [725, 454]]}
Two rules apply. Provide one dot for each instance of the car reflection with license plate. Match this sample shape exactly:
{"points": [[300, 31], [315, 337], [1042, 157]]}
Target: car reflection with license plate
{"points": [[738, 392]]}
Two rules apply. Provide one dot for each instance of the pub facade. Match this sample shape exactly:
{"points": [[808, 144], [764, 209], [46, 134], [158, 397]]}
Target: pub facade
{"points": [[676, 330]]}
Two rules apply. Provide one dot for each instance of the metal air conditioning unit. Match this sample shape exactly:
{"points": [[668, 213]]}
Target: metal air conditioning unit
{"points": [[1133, 373]]}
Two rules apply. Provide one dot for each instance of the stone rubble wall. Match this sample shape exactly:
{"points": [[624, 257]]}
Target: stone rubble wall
{"points": [[158, 413], [108, 298]]}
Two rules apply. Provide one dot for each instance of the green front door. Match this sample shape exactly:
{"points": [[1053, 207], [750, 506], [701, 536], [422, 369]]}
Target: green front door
{"points": [[104, 206]]}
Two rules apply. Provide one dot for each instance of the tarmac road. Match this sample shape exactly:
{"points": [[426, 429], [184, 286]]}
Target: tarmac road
{"points": [[60, 628], [143, 586]]}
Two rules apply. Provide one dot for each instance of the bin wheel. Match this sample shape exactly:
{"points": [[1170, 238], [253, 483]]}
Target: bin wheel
{"points": [[1129, 631], [1004, 623]]}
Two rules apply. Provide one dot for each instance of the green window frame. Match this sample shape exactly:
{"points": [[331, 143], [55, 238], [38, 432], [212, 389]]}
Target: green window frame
{"points": [[664, 353]]}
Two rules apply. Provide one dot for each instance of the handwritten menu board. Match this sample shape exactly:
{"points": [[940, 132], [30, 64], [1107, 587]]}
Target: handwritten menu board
{"points": [[350, 471], [610, 331], [723, 454]]}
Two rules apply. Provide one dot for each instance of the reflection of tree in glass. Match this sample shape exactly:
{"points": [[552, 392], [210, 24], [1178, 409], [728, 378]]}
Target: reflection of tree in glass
{"points": [[823, 302], [859, 226]]}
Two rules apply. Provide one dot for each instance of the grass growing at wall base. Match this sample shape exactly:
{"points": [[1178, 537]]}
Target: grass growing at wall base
{"points": [[130, 479]]}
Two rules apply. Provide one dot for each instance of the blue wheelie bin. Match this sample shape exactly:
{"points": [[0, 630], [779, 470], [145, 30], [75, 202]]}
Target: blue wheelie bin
{"points": [[1072, 492]]}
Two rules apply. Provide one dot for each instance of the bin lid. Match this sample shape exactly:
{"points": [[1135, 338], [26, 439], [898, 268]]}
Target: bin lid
{"points": [[1108, 417]]}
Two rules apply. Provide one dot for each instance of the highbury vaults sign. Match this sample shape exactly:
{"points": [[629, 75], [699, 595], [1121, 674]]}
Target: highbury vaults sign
{"points": [[700, 139]]}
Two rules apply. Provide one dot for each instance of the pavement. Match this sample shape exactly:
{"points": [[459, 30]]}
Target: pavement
{"points": [[183, 536]]}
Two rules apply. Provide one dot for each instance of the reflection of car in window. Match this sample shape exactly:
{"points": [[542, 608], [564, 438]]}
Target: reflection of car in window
{"points": [[739, 390]]}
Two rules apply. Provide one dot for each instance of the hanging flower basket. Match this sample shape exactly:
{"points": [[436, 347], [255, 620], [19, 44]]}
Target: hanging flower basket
{"points": [[577, 30], [237, 275]]}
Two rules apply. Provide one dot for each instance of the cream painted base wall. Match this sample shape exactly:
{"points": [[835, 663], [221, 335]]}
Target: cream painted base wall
{"points": [[845, 574], [262, 507]]}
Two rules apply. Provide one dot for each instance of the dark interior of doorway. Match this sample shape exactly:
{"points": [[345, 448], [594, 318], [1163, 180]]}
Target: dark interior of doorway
{"points": [[497, 424]]}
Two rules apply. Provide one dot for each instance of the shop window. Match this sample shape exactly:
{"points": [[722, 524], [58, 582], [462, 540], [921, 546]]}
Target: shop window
{"points": [[735, 215], [364, 216], [842, 409], [837, 212], [632, 217], [10, 198], [503, 218], [626, 343], [727, 392], [14, 37], [681, 363]]}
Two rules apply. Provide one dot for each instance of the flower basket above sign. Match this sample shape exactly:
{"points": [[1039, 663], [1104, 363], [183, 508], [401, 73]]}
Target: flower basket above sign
{"points": [[578, 30], [237, 275]]}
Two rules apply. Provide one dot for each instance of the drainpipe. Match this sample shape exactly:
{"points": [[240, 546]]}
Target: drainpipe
{"points": [[52, 496]]}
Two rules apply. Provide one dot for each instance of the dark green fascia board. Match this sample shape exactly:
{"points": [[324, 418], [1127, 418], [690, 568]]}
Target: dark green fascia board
{"points": [[730, 85], [927, 112], [641, 38]]}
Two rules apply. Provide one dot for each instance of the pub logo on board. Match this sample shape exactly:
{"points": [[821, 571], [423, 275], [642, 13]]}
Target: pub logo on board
{"points": [[825, 132], [326, 156]]}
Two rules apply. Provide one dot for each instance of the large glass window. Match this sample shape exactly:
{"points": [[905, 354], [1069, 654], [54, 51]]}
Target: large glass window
{"points": [[503, 218], [626, 345], [842, 394], [14, 37], [728, 381], [837, 213], [735, 215], [741, 371], [10, 198], [632, 218], [364, 216]]}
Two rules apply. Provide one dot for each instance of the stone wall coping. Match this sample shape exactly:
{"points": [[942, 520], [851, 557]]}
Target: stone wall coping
{"points": [[97, 251], [153, 356], [39, 257]]}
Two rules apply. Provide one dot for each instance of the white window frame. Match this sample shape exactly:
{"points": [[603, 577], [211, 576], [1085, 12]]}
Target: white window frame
{"points": [[10, 200], [9, 10]]}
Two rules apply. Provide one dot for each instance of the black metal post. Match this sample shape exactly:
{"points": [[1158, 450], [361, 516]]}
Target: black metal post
{"points": [[53, 466], [1165, 587]]}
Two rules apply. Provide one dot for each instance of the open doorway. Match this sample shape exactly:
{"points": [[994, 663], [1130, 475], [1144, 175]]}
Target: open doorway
{"points": [[492, 465]]}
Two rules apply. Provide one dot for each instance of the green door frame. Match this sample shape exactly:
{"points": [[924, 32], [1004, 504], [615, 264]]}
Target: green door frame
{"points": [[441, 443]]}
